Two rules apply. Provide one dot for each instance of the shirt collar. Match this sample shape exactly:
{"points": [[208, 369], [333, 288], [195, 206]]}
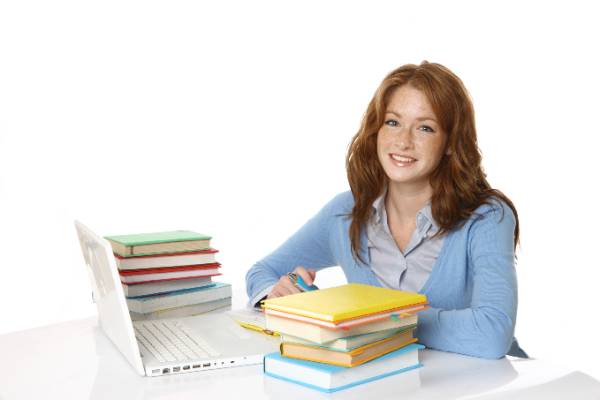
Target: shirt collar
{"points": [[424, 221], [379, 208]]}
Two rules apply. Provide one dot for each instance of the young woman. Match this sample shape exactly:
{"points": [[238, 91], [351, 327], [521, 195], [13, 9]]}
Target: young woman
{"points": [[420, 217]]}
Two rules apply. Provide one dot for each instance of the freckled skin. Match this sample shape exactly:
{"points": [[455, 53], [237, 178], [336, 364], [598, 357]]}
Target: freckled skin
{"points": [[410, 129]]}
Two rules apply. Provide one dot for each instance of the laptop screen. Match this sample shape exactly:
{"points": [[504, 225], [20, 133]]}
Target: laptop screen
{"points": [[113, 313]]}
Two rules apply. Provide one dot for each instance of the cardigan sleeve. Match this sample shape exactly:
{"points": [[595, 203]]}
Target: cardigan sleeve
{"points": [[309, 247], [486, 328]]}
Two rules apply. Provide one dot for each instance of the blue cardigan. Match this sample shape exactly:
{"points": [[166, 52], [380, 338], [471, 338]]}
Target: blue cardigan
{"points": [[472, 289]]}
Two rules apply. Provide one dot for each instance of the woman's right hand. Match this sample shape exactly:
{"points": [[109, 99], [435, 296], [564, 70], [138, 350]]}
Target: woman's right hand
{"points": [[285, 285]]}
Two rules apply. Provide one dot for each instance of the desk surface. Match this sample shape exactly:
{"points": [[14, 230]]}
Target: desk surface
{"points": [[74, 360]]}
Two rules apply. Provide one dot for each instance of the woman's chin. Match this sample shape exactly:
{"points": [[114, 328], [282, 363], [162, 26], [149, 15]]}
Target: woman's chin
{"points": [[408, 180]]}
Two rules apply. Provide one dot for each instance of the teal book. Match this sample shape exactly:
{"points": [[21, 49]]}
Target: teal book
{"points": [[180, 298], [158, 243], [185, 311], [331, 378], [169, 292]]}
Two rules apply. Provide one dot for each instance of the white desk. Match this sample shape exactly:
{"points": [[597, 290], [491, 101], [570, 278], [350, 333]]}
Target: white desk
{"points": [[74, 360]]}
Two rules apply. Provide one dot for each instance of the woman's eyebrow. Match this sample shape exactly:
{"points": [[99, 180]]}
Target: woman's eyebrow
{"points": [[423, 118], [393, 112]]}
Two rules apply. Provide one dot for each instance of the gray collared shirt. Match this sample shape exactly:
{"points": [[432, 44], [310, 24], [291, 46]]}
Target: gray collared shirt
{"points": [[397, 270]]}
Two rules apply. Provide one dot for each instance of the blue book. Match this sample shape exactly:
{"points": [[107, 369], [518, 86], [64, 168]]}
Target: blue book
{"points": [[173, 292], [331, 378]]}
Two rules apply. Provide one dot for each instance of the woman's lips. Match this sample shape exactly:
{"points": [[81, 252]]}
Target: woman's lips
{"points": [[402, 160]]}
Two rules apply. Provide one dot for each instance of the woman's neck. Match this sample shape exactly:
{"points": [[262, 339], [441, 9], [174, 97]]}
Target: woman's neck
{"points": [[402, 203]]}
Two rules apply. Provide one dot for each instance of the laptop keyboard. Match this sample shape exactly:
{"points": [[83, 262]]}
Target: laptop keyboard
{"points": [[171, 341]]}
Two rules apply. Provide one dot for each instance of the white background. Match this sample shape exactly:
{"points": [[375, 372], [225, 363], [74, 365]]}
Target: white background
{"points": [[233, 119]]}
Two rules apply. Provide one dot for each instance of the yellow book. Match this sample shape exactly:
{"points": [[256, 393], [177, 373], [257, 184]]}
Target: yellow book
{"points": [[345, 302]]}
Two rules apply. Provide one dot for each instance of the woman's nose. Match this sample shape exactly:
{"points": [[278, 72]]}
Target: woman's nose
{"points": [[404, 140]]}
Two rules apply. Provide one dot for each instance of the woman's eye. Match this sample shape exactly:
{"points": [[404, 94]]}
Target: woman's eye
{"points": [[391, 122], [427, 128]]}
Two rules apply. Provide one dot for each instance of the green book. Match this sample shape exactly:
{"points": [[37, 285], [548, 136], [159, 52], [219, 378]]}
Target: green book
{"points": [[158, 243], [351, 342]]}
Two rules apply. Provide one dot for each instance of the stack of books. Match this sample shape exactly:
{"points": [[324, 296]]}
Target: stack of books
{"points": [[343, 336], [169, 274]]}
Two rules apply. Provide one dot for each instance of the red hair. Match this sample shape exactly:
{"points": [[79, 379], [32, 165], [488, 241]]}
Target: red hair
{"points": [[459, 183]]}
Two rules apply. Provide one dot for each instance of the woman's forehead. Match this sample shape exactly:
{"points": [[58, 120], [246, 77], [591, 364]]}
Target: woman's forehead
{"points": [[407, 101]]}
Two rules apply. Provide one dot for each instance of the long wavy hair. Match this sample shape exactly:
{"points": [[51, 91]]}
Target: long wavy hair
{"points": [[459, 182]]}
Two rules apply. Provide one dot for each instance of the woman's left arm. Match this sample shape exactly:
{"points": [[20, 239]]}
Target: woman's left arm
{"points": [[486, 328]]}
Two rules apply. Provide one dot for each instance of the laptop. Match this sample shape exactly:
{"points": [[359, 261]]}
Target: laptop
{"points": [[165, 346]]}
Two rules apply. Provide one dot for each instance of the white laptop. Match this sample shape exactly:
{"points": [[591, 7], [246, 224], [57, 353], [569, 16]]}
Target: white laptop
{"points": [[165, 346]]}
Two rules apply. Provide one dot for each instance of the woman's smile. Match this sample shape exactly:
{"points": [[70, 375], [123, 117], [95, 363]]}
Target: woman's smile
{"points": [[410, 142], [400, 160]]}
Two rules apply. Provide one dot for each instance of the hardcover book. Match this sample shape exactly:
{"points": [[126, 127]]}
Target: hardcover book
{"points": [[345, 302], [158, 242], [332, 378], [349, 358], [169, 273], [153, 288], [185, 311], [322, 335], [166, 260], [180, 298], [346, 324], [351, 342]]}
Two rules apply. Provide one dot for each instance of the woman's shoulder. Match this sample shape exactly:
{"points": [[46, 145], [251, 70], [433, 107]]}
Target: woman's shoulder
{"points": [[340, 204], [494, 211]]}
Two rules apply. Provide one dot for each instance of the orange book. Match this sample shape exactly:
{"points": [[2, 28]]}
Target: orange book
{"points": [[350, 358]]}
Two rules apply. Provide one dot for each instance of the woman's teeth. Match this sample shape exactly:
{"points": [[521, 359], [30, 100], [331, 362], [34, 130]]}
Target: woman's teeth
{"points": [[402, 159]]}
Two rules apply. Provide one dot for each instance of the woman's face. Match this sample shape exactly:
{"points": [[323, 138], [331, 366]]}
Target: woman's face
{"points": [[410, 143]]}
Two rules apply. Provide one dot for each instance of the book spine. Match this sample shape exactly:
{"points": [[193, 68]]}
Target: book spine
{"points": [[205, 274], [139, 291], [346, 324], [180, 312], [119, 248], [170, 247], [321, 335], [180, 300], [135, 263], [169, 270]]}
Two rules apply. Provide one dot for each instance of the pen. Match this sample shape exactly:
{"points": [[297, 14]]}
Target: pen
{"points": [[299, 282], [258, 329]]}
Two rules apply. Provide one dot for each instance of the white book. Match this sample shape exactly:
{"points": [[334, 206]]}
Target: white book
{"points": [[321, 335], [186, 311], [179, 299], [144, 289], [332, 378], [166, 260]]}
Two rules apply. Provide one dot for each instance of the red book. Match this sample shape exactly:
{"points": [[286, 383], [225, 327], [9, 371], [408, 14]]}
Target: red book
{"points": [[169, 273]]}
